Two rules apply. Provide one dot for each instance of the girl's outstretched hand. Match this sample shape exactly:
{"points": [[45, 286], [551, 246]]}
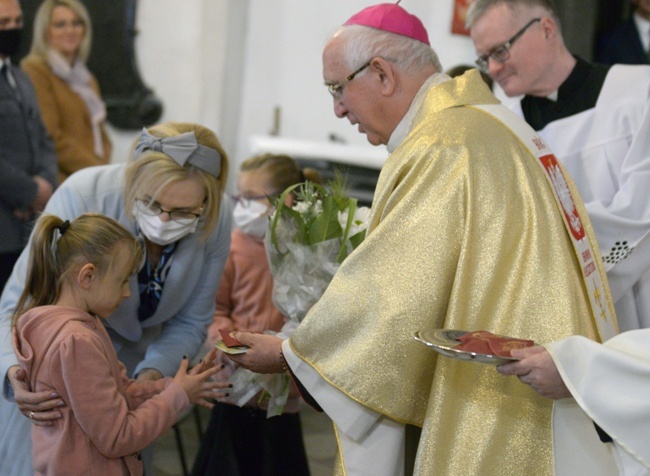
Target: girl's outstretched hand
{"points": [[206, 363], [197, 384]]}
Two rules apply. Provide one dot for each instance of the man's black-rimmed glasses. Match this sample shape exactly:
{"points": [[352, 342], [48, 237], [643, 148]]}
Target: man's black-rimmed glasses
{"points": [[501, 53]]}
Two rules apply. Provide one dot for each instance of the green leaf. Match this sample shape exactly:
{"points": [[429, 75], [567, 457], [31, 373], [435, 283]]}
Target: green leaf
{"points": [[343, 251], [357, 239], [340, 189], [279, 208], [326, 225]]}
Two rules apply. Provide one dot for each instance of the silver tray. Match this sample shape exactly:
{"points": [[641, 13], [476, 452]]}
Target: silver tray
{"points": [[443, 341]]}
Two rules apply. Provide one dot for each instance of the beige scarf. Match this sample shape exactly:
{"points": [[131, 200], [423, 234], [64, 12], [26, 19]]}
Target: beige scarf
{"points": [[78, 77]]}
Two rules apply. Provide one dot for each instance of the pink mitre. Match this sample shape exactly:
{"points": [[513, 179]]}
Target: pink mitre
{"points": [[393, 18]]}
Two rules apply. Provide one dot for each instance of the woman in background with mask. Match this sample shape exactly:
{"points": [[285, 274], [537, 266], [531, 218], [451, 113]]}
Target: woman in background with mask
{"points": [[169, 196], [238, 440]]}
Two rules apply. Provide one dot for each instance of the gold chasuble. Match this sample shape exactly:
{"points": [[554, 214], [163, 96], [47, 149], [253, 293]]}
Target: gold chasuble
{"points": [[465, 233]]}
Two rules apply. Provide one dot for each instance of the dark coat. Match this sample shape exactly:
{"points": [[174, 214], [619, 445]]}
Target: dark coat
{"points": [[621, 45], [25, 150]]}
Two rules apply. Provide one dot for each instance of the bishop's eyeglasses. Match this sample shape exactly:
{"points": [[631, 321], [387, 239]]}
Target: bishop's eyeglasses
{"points": [[336, 90]]}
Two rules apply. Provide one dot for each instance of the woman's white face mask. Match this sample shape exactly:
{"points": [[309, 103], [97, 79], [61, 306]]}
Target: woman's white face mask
{"points": [[253, 219], [163, 232]]}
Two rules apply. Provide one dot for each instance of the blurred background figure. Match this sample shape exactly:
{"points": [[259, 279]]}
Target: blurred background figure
{"points": [[460, 69], [27, 154], [243, 441], [68, 94], [629, 43]]}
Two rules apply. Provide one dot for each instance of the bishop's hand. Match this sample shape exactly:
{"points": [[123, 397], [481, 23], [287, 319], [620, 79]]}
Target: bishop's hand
{"points": [[263, 355]]}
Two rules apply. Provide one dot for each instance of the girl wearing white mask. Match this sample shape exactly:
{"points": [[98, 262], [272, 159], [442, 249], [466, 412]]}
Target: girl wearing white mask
{"points": [[242, 440]]}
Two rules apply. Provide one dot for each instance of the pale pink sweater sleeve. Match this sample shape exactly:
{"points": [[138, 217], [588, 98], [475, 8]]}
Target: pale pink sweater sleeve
{"points": [[95, 385], [223, 305]]}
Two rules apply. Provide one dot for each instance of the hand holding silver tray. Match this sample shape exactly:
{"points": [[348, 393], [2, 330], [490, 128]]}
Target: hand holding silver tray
{"points": [[443, 341]]}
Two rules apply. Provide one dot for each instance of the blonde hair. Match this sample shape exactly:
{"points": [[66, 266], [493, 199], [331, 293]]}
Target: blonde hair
{"points": [[152, 171], [40, 46], [282, 170], [58, 248]]}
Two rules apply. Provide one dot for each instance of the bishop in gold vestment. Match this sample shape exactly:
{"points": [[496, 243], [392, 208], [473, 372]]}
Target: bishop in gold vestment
{"points": [[465, 233]]}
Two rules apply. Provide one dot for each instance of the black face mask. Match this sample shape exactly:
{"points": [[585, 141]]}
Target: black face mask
{"points": [[10, 41]]}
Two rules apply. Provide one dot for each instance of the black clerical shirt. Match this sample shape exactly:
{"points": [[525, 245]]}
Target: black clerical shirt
{"points": [[578, 93]]}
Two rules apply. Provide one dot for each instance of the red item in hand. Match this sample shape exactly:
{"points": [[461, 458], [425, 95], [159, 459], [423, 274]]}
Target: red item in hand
{"points": [[483, 342], [229, 340]]}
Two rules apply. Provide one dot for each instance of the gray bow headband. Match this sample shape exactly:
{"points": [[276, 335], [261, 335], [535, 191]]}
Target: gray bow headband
{"points": [[183, 148]]}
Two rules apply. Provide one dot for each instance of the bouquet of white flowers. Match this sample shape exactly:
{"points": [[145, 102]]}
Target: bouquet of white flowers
{"points": [[305, 245], [308, 241]]}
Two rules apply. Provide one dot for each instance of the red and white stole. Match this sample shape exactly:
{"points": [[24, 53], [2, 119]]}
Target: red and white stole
{"points": [[557, 180]]}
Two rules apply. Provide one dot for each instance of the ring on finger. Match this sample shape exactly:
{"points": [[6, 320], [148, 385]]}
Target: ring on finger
{"points": [[31, 415]]}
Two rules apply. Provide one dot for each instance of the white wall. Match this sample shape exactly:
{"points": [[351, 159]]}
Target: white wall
{"points": [[229, 63], [283, 63], [180, 56]]}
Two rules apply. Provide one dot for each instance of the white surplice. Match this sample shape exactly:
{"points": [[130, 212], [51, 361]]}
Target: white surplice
{"points": [[360, 431], [611, 384], [606, 150]]}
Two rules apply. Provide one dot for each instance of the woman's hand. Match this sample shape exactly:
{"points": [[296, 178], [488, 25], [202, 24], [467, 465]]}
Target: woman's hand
{"points": [[263, 356], [149, 375], [40, 407], [538, 370]]}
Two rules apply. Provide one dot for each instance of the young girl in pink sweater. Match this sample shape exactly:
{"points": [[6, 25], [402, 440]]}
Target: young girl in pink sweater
{"points": [[78, 274]]}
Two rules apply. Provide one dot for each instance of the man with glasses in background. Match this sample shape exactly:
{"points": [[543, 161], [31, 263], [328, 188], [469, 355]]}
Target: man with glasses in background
{"points": [[465, 233], [596, 119]]}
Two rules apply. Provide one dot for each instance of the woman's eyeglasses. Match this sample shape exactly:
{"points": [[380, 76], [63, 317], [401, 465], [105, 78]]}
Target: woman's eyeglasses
{"points": [[178, 216]]}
